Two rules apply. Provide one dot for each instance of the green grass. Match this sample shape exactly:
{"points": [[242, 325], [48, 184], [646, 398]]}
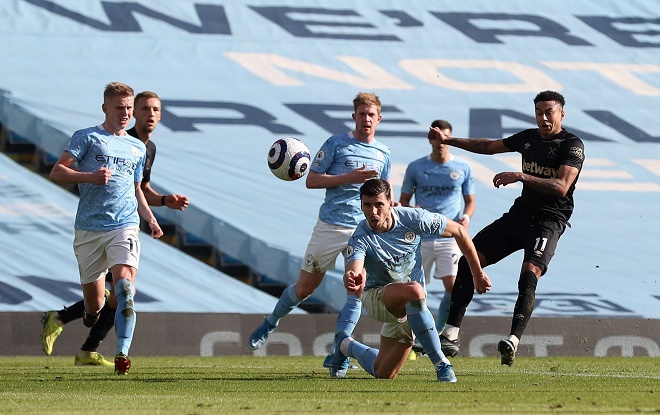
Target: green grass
{"points": [[282, 385]]}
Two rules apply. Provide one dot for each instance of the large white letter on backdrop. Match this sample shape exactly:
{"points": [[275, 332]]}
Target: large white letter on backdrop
{"points": [[429, 71]]}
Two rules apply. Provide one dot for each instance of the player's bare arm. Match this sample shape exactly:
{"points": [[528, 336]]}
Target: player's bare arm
{"points": [[63, 172], [146, 213], [468, 210], [557, 187], [404, 199], [474, 145], [354, 277], [323, 181], [172, 201], [454, 230]]}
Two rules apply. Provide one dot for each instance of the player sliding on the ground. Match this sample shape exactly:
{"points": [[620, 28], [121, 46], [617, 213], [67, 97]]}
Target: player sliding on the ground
{"points": [[386, 246]]}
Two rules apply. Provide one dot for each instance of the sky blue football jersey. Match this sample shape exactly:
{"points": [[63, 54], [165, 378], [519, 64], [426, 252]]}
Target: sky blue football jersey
{"points": [[114, 205], [395, 256], [338, 155], [439, 187]]}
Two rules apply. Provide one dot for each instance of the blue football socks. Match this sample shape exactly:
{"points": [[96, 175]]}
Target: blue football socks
{"points": [[349, 315], [443, 311], [287, 302], [125, 315], [422, 324], [365, 355]]}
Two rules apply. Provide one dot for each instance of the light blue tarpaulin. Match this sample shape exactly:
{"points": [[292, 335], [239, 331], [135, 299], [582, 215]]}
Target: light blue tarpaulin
{"points": [[236, 76], [39, 270]]}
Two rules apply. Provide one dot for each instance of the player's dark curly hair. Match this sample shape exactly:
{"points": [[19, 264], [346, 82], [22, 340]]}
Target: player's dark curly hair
{"points": [[374, 187], [549, 96]]}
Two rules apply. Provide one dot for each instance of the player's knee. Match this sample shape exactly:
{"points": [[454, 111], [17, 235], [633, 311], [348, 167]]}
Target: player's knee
{"points": [[124, 288], [416, 291], [448, 282], [304, 291]]}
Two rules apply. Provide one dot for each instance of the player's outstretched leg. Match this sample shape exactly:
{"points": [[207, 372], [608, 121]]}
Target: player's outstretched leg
{"points": [[287, 302]]}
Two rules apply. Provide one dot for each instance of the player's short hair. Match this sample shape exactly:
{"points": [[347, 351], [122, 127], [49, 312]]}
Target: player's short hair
{"points": [[550, 96], [146, 95], [117, 89], [374, 187], [366, 98], [442, 124]]}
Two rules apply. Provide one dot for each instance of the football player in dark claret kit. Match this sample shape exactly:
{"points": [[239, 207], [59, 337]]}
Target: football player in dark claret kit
{"points": [[551, 162]]}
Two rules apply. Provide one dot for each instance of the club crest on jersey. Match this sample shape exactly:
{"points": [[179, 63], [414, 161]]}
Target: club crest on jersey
{"points": [[309, 259], [454, 175], [552, 152], [576, 152], [527, 146], [380, 156], [409, 236], [135, 150]]}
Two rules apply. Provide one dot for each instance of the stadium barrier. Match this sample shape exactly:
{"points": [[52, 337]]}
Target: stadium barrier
{"points": [[203, 334]]}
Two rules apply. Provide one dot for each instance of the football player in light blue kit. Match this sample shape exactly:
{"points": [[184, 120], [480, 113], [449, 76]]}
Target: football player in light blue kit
{"points": [[386, 247], [343, 163], [110, 165], [441, 183]]}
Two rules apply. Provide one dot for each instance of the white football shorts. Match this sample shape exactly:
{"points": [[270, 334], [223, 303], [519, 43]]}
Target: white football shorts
{"points": [[399, 330], [325, 245], [444, 254], [97, 251]]}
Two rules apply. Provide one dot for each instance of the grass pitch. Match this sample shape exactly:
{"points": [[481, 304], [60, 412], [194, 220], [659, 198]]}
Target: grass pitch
{"points": [[284, 385]]}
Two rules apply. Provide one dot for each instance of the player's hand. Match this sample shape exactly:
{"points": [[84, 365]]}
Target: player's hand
{"points": [[437, 134], [178, 202], [101, 176], [465, 221], [504, 178], [361, 175], [482, 283], [156, 231], [353, 281]]}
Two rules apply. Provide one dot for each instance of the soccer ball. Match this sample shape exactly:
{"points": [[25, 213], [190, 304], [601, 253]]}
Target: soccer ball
{"points": [[288, 158]]}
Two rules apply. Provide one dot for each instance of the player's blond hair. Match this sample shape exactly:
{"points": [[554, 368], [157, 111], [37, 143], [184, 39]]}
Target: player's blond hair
{"points": [[366, 98], [117, 89]]}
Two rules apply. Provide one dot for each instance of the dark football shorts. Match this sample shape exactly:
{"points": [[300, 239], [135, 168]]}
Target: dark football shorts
{"points": [[538, 237]]}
